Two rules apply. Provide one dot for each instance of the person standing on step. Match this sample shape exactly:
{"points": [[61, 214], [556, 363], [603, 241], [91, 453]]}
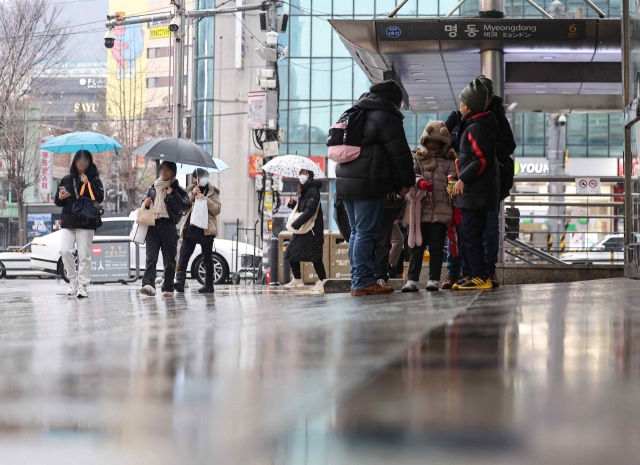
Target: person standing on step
{"points": [[77, 232], [478, 185], [505, 147], [307, 247], [433, 162], [193, 235], [168, 201]]}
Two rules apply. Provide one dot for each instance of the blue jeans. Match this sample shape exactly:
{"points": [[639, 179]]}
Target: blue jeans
{"points": [[365, 217], [491, 247]]}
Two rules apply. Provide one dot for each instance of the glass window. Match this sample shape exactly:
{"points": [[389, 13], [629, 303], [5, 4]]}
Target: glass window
{"points": [[517, 127], [320, 75], [318, 150], [411, 8], [205, 79], [422, 120], [301, 31], [298, 122], [576, 128], [299, 72], [340, 7], [447, 5], [361, 82], [385, 6], [206, 37], [299, 149], [616, 130], [283, 115], [598, 151], [533, 128], [305, 4], [598, 128], [320, 121], [339, 50], [321, 38], [577, 150], [409, 124], [115, 228], [283, 74], [365, 7], [204, 121], [533, 151], [429, 7], [338, 108], [342, 79]]}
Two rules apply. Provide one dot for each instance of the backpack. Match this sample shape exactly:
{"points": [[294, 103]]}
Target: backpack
{"points": [[506, 177], [512, 223], [345, 137]]}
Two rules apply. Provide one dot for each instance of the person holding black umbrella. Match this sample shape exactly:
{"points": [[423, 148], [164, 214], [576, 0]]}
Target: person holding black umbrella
{"points": [[168, 201]]}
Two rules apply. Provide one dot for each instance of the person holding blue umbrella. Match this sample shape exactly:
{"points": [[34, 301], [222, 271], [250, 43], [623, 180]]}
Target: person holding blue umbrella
{"points": [[77, 232]]}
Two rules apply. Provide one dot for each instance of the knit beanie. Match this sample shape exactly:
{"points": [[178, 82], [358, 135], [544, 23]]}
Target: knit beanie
{"points": [[474, 95], [389, 89], [435, 130], [488, 83]]}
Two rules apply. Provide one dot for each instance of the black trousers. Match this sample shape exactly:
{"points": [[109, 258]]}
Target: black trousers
{"points": [[383, 243], [319, 266], [163, 236], [433, 236], [472, 228], [189, 243]]}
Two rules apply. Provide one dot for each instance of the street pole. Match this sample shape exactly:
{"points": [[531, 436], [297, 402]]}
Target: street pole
{"points": [[178, 71]]}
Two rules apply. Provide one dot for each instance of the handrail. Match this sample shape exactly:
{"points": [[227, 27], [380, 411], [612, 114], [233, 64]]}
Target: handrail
{"points": [[545, 178], [533, 251], [563, 204]]}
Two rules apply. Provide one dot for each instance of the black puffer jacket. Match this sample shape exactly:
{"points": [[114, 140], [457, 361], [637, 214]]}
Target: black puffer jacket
{"points": [[477, 163], [177, 202], [69, 220], [385, 163], [505, 143], [308, 247]]}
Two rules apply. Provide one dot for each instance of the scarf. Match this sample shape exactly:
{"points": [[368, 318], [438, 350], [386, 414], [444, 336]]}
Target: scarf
{"points": [[427, 158], [159, 207]]}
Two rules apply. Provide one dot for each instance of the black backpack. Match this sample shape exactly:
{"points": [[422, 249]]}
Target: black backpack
{"points": [[345, 137], [512, 223], [506, 177]]}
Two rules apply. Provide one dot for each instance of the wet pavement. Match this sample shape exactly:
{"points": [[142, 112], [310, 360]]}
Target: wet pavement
{"points": [[541, 374]]}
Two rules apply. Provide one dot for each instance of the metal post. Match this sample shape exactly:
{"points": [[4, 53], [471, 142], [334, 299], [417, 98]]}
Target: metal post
{"points": [[540, 9], [492, 65], [455, 8], [396, 9], [595, 8], [178, 72], [556, 153]]}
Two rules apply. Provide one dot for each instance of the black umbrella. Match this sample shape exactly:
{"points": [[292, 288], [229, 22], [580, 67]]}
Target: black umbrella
{"points": [[177, 151], [341, 217]]}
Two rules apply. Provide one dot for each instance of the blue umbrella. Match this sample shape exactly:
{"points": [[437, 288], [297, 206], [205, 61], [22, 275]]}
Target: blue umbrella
{"points": [[72, 142], [183, 168]]}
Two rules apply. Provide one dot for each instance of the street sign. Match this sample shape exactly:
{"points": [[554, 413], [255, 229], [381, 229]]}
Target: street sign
{"points": [[110, 262], [478, 29], [588, 185]]}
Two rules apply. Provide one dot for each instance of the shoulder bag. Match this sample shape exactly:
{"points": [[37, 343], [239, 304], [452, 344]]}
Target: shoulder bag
{"points": [[86, 208], [305, 228]]}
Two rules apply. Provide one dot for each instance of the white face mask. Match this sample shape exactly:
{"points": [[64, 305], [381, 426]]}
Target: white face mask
{"points": [[303, 178], [203, 181]]}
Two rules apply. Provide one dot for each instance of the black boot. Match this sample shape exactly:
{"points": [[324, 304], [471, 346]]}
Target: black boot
{"points": [[208, 283], [178, 284]]}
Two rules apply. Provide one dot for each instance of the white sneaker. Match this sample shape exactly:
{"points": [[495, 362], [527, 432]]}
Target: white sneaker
{"points": [[432, 285], [148, 290], [73, 288], [295, 283], [411, 286], [82, 292], [319, 287]]}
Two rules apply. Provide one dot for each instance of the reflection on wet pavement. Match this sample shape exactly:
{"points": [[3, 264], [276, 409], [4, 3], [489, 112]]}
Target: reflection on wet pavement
{"points": [[123, 378], [545, 374]]}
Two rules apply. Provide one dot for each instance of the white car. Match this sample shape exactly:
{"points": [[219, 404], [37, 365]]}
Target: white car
{"points": [[46, 253], [600, 253], [16, 262]]}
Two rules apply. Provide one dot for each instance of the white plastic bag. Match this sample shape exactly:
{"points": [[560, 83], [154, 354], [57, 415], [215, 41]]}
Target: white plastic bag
{"points": [[200, 214]]}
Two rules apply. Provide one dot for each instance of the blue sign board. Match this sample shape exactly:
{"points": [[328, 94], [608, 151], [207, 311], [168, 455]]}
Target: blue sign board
{"points": [[393, 31]]}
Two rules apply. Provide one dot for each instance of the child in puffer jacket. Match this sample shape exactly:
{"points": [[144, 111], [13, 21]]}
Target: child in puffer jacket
{"points": [[431, 208]]}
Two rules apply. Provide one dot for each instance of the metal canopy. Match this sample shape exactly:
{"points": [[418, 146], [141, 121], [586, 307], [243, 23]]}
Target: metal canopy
{"points": [[550, 64]]}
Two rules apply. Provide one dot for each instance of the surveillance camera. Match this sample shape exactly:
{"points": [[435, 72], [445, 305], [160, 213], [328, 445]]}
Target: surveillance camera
{"points": [[562, 119], [109, 38], [174, 25]]}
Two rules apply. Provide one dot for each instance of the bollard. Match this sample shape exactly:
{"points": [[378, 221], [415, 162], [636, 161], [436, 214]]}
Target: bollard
{"points": [[286, 271], [273, 259]]}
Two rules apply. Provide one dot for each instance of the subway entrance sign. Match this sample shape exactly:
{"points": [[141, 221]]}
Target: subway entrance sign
{"points": [[480, 29]]}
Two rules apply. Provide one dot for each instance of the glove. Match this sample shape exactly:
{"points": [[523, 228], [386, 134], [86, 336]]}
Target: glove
{"points": [[425, 186]]}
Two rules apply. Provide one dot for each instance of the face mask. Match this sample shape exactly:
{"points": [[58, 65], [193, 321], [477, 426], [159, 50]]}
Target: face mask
{"points": [[204, 181], [303, 178]]}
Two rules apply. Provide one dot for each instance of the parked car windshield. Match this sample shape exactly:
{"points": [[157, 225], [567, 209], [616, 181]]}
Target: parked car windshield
{"points": [[115, 228], [609, 244]]}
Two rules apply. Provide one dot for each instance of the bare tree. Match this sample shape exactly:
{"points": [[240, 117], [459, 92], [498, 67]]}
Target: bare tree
{"points": [[32, 42]]}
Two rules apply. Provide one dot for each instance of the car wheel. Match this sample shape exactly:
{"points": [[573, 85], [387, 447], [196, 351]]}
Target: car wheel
{"points": [[220, 269], [62, 272], [3, 271]]}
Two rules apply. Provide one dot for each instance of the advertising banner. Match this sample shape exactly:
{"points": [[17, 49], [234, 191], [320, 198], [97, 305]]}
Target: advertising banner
{"points": [[38, 224], [45, 179], [110, 262]]}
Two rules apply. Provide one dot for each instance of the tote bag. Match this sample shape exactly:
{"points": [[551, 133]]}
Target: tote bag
{"points": [[305, 228], [200, 214], [146, 216], [138, 233]]}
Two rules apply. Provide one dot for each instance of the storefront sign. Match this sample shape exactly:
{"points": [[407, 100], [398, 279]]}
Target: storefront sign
{"points": [[475, 29], [524, 168], [159, 32], [38, 224], [45, 180], [320, 161], [110, 262], [255, 165], [86, 107]]}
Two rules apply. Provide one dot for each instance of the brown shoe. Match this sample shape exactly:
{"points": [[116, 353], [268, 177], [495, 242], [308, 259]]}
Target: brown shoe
{"points": [[449, 281], [373, 289], [494, 281]]}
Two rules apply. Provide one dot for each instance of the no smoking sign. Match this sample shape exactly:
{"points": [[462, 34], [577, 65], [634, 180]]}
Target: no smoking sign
{"points": [[588, 185]]}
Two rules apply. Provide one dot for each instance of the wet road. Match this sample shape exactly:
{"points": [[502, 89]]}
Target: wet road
{"points": [[531, 374]]}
